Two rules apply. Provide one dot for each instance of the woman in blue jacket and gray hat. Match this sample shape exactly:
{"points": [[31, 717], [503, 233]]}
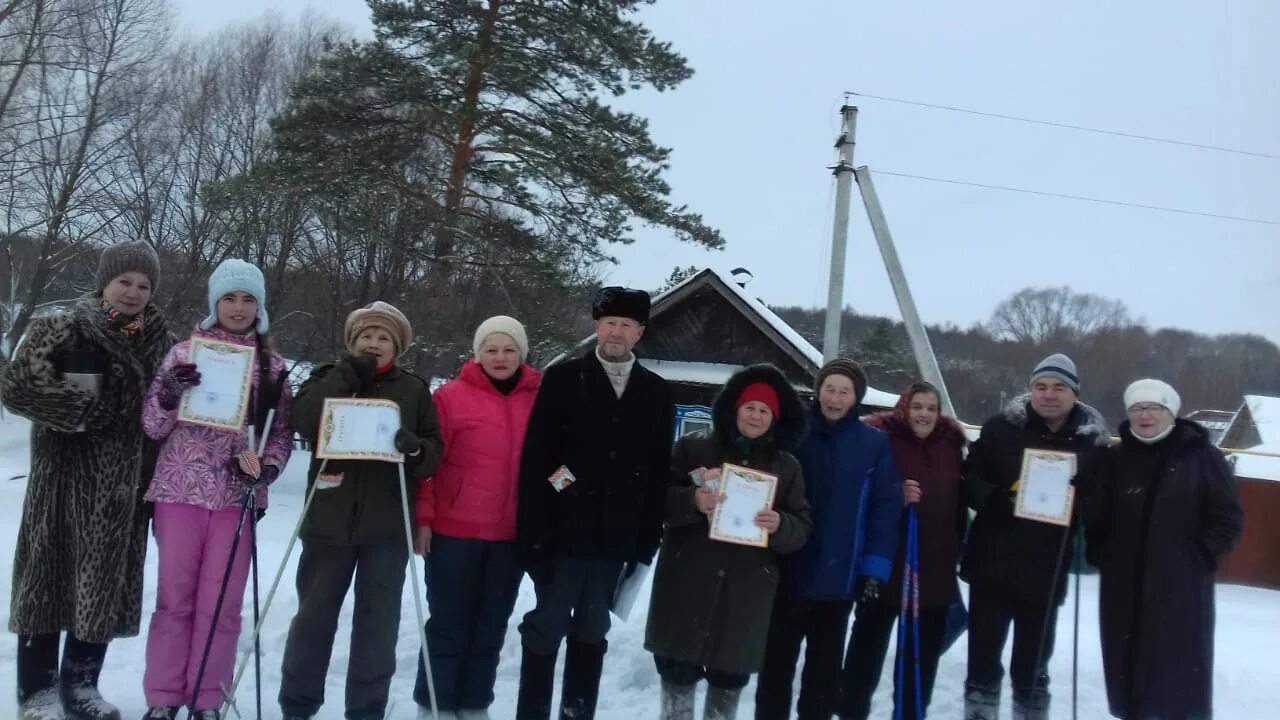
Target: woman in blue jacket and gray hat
{"points": [[855, 497]]}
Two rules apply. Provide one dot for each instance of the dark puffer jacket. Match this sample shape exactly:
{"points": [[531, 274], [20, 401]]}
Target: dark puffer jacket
{"points": [[1011, 552], [711, 599]]}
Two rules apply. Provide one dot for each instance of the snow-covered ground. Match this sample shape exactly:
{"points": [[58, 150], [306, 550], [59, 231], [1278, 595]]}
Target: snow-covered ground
{"points": [[1247, 640]]}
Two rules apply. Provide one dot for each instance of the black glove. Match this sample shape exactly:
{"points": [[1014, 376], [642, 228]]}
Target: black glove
{"points": [[408, 443], [870, 591], [364, 367], [266, 477], [176, 380]]}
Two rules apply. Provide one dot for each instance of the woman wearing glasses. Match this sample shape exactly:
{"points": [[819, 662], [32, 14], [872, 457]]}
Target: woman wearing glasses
{"points": [[1166, 513]]}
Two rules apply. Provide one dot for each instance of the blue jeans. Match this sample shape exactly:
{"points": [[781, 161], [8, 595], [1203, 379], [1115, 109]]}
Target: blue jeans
{"points": [[471, 589]]}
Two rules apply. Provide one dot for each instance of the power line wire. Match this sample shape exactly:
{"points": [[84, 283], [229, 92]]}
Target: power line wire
{"points": [[1081, 198], [1069, 126]]}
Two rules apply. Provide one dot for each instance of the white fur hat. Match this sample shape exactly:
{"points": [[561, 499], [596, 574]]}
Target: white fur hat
{"points": [[232, 275], [507, 326], [1153, 391]]}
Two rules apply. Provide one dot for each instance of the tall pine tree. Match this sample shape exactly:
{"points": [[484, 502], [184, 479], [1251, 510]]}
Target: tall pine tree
{"points": [[491, 118]]}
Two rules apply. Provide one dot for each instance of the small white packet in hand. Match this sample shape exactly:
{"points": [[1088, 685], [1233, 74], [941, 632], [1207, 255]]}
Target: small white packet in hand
{"points": [[561, 478]]}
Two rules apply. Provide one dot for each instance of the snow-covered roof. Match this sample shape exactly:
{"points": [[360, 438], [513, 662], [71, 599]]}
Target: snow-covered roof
{"points": [[1265, 412], [874, 397]]}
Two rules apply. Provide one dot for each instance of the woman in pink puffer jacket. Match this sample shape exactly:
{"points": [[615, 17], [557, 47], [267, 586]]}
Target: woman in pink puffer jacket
{"points": [[466, 518], [201, 477]]}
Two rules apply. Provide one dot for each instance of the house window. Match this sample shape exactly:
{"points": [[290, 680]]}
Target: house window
{"points": [[691, 419]]}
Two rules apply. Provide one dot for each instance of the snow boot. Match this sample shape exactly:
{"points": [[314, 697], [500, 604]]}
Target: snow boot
{"points": [[583, 663], [537, 680], [981, 704], [677, 701], [78, 682], [42, 705], [721, 703], [162, 712], [210, 714], [38, 677]]}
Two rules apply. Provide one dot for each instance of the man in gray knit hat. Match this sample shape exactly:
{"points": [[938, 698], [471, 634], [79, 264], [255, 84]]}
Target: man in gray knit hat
{"points": [[1016, 568]]}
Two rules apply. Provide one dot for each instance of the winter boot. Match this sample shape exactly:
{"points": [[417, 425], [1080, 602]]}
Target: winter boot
{"points": [[981, 704], [210, 714], [537, 679], [162, 712], [583, 663], [43, 705], [78, 682], [677, 701], [38, 677], [1031, 706], [721, 704]]}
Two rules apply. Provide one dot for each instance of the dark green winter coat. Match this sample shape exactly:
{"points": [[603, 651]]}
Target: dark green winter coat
{"points": [[366, 506], [711, 600]]}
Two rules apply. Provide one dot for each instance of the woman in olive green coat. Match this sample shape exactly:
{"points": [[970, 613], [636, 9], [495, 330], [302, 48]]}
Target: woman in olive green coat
{"points": [[711, 600]]}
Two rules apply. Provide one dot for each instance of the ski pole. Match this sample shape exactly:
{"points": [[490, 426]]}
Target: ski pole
{"points": [[417, 595], [275, 583], [900, 675], [253, 547], [913, 538]]}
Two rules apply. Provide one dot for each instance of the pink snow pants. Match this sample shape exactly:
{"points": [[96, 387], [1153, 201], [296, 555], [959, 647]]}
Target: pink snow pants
{"points": [[194, 546]]}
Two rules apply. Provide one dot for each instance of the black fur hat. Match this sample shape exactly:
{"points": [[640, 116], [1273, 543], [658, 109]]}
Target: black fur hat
{"points": [[788, 427], [617, 301]]}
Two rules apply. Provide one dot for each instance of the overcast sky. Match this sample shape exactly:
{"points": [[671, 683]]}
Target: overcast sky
{"points": [[752, 136]]}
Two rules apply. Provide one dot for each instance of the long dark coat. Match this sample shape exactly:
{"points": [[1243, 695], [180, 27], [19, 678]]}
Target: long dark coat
{"points": [[711, 600], [78, 562], [617, 448], [1166, 514]]}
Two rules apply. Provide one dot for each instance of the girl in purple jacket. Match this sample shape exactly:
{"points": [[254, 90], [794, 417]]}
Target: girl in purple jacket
{"points": [[199, 487]]}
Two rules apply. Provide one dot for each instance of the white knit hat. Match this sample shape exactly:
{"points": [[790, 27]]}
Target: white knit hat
{"points": [[1153, 391], [232, 275], [507, 326]]}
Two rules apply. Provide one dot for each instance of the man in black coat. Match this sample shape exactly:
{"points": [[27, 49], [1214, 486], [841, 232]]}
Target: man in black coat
{"points": [[1016, 568], [593, 478]]}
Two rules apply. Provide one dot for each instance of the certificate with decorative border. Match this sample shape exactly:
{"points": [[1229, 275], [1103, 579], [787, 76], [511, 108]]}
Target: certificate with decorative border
{"points": [[359, 429], [743, 493], [221, 400], [1045, 493]]}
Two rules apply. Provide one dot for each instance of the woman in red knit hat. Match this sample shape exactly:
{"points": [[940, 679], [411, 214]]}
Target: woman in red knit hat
{"points": [[710, 598]]}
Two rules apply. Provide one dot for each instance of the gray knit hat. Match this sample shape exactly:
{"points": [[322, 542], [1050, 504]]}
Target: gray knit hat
{"points": [[125, 257], [1058, 366], [848, 368]]}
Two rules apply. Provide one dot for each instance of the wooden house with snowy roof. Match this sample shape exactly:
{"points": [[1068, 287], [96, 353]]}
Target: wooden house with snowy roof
{"points": [[706, 328]]}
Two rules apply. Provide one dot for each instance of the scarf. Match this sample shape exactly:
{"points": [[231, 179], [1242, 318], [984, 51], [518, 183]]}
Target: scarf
{"points": [[130, 325]]}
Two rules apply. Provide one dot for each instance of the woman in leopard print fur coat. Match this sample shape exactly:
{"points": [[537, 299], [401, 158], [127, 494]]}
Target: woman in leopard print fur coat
{"points": [[80, 377]]}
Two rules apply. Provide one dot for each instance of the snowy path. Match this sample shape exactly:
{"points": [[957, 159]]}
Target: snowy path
{"points": [[1248, 641]]}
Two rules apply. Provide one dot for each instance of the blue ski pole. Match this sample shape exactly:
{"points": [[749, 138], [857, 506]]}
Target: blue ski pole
{"points": [[899, 676], [913, 539]]}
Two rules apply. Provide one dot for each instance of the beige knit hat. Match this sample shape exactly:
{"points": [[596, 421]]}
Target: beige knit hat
{"points": [[380, 315]]}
